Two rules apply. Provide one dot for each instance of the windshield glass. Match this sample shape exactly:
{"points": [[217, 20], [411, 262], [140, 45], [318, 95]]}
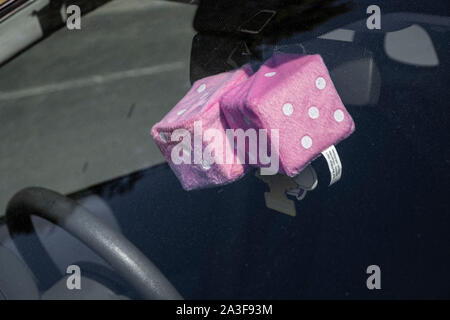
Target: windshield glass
{"points": [[82, 84]]}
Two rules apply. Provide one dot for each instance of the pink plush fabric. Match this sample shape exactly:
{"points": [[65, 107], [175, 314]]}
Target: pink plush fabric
{"points": [[201, 103], [294, 94]]}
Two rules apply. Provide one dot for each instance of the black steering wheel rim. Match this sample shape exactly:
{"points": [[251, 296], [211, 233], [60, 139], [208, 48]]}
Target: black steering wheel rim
{"points": [[112, 246]]}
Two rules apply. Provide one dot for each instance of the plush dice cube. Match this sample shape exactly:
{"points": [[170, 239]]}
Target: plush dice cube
{"points": [[293, 94], [182, 135]]}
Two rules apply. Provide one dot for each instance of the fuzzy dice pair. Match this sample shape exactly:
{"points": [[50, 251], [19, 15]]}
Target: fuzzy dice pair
{"points": [[290, 99]]}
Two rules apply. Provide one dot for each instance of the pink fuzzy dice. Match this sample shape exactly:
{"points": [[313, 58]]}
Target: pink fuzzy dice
{"points": [[200, 108], [294, 94]]}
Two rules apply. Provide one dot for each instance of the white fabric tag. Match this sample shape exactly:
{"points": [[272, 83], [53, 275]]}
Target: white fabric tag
{"points": [[334, 163]]}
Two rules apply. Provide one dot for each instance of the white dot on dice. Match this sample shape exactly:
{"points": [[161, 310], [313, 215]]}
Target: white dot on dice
{"points": [[339, 115], [288, 109], [320, 83], [313, 112], [201, 88], [306, 142]]}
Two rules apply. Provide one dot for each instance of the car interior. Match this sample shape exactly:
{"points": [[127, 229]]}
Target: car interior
{"points": [[84, 184]]}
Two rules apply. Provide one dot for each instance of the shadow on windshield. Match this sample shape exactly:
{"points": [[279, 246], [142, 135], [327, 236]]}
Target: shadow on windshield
{"points": [[233, 33]]}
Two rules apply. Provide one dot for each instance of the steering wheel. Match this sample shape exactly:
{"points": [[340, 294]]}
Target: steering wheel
{"points": [[113, 247]]}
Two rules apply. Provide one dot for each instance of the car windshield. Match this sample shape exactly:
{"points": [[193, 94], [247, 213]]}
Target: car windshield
{"points": [[82, 84]]}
